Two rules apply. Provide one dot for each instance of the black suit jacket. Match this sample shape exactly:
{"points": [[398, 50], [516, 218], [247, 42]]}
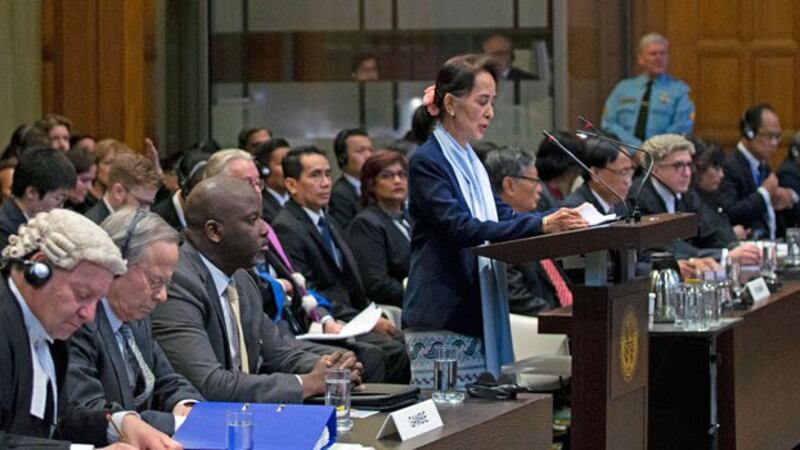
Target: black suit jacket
{"points": [[98, 377], [190, 327], [382, 254], [738, 195], [345, 203], [11, 217], [584, 194], [547, 201], [306, 249], [166, 209], [530, 290], [16, 385], [270, 207], [789, 177], [713, 232], [98, 212]]}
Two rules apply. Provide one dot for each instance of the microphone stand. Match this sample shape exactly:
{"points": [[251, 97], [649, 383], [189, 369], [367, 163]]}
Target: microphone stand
{"points": [[629, 218]]}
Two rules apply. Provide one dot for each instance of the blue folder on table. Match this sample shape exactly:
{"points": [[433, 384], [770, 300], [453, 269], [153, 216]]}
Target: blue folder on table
{"points": [[288, 427]]}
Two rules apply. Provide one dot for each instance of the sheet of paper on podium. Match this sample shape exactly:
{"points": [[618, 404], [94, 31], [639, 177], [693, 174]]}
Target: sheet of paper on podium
{"points": [[363, 323], [592, 216], [285, 427]]}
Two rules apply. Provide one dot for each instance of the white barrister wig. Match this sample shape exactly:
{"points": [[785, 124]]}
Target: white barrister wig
{"points": [[66, 238]]}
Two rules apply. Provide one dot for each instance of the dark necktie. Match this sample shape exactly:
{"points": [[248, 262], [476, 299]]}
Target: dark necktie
{"points": [[327, 238], [644, 110], [760, 174]]}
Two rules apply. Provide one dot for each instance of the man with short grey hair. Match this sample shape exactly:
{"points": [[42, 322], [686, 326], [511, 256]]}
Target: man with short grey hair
{"points": [[652, 103], [114, 361], [671, 193], [56, 268]]}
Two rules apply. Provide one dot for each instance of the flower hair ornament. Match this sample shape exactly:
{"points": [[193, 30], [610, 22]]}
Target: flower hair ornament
{"points": [[428, 100]]}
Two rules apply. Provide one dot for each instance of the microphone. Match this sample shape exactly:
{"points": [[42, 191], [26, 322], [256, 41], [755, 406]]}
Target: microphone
{"points": [[595, 133], [628, 217]]}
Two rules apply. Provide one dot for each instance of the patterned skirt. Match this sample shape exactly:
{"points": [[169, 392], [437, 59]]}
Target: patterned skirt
{"points": [[422, 346]]}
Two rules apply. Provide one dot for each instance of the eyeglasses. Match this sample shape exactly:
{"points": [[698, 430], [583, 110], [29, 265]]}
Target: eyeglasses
{"points": [[770, 136], [625, 173], [142, 203], [679, 166], [533, 180], [154, 283], [390, 175]]}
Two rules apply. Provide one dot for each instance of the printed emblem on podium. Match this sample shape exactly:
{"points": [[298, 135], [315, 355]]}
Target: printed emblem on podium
{"points": [[629, 345]]}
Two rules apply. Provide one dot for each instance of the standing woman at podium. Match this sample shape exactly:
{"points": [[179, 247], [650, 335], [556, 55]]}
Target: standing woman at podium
{"points": [[454, 297]]}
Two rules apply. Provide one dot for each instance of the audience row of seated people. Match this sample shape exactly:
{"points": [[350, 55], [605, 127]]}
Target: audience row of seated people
{"points": [[202, 298]]}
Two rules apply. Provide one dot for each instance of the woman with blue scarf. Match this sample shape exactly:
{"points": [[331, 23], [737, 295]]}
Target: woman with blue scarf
{"points": [[455, 298]]}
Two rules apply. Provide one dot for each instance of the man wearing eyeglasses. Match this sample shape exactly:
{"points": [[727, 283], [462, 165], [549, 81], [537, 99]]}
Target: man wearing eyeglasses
{"points": [[115, 364], [534, 286], [673, 167], [750, 192], [615, 169], [132, 181]]}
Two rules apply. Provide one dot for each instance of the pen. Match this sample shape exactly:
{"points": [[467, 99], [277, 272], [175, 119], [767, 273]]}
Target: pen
{"points": [[120, 435]]}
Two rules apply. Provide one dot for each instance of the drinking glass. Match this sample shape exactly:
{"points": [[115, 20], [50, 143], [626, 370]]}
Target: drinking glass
{"points": [[337, 394], [240, 429], [445, 376]]}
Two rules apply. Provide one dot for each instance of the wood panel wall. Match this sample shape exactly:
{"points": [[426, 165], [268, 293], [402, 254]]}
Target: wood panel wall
{"points": [[595, 55], [733, 53], [98, 66]]}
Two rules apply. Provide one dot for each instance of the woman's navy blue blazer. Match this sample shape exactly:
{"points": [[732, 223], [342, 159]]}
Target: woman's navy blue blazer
{"points": [[443, 290]]}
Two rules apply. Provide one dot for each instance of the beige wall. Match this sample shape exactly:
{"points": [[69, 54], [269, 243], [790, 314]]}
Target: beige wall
{"points": [[20, 65]]}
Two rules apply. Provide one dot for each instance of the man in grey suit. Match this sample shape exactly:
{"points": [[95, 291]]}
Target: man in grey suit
{"points": [[114, 362], [212, 328]]}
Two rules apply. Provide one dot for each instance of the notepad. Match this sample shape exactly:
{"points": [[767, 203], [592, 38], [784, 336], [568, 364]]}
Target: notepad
{"points": [[285, 427]]}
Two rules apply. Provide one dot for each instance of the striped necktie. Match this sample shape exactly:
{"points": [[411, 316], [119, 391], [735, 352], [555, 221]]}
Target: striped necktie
{"points": [[233, 300], [562, 290], [138, 367]]}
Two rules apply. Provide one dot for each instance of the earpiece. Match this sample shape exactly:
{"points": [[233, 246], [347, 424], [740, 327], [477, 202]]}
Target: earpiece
{"points": [[748, 132], [794, 149], [263, 171], [36, 273]]}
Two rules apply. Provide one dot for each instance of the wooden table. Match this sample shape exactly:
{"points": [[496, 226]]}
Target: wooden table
{"points": [[757, 364], [525, 423], [759, 375]]}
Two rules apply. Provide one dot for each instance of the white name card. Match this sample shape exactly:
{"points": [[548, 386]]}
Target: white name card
{"points": [[758, 289], [411, 421]]}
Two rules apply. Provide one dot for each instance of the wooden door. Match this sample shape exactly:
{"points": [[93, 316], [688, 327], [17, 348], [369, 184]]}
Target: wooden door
{"points": [[733, 53], [98, 66]]}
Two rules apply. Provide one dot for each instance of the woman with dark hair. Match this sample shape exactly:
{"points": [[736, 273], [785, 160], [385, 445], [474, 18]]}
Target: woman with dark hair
{"points": [[380, 234], [86, 168], [453, 297], [708, 173]]}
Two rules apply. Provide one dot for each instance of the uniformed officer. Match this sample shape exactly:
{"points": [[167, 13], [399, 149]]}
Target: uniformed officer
{"points": [[652, 103]]}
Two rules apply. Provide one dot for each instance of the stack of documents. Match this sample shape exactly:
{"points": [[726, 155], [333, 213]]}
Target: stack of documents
{"points": [[363, 323]]}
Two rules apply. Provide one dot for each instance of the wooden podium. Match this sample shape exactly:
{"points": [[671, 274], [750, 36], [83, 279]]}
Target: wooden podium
{"points": [[607, 324]]}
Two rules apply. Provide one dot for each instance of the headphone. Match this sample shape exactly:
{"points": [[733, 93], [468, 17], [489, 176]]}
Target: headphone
{"points": [[488, 388], [751, 120], [340, 144], [794, 148], [263, 171], [140, 214], [189, 166], [36, 273]]}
